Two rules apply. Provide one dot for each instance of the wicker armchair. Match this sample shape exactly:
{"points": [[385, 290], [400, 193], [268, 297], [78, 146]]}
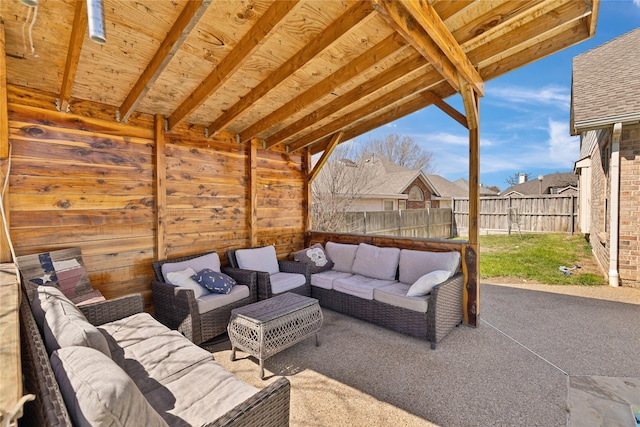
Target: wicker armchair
{"points": [[177, 307], [265, 288]]}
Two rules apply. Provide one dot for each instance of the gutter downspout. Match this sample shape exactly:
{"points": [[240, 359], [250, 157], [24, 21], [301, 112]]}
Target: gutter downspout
{"points": [[614, 212]]}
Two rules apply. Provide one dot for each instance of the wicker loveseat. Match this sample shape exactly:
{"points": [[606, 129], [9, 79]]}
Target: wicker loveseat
{"points": [[372, 283], [128, 369]]}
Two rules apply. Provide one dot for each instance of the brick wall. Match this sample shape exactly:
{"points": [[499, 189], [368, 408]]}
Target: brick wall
{"points": [[599, 187], [419, 204]]}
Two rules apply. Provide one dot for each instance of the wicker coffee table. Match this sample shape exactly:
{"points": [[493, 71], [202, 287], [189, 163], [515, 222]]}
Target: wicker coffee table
{"points": [[267, 327]]}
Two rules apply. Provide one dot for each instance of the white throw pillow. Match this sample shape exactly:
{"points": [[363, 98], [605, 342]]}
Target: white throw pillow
{"points": [[423, 285], [183, 279], [258, 259]]}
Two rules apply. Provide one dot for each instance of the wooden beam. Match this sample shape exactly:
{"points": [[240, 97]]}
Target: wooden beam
{"points": [[178, 33], [308, 196], [402, 21], [399, 70], [426, 16], [333, 143], [231, 63], [446, 108], [471, 292], [368, 59], [333, 32], [78, 31], [4, 103], [470, 104], [423, 81], [160, 187], [417, 103], [253, 193]]}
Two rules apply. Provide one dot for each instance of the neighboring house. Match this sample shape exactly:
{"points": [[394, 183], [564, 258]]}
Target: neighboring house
{"points": [[484, 191], [393, 187], [555, 183], [605, 112]]}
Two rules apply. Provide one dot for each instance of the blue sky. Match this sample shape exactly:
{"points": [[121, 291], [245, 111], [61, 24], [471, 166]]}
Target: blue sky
{"points": [[524, 114]]}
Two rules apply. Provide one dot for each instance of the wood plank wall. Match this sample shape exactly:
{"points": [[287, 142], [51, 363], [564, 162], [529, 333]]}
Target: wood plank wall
{"points": [[85, 180]]}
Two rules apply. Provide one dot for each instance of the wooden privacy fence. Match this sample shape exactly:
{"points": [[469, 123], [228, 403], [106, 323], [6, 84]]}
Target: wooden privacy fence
{"points": [[530, 214], [430, 223]]}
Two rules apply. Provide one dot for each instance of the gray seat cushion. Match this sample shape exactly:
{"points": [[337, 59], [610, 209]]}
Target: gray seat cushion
{"points": [[97, 392], [325, 279], [359, 286], [206, 392], [212, 301], [283, 282], [131, 330], [396, 295]]}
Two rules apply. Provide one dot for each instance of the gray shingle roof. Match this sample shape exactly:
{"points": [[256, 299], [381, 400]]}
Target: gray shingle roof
{"points": [[445, 188], [554, 180], [606, 83]]}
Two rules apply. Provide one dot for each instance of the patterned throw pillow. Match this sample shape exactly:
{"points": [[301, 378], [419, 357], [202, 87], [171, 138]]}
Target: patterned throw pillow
{"points": [[215, 282], [316, 257]]}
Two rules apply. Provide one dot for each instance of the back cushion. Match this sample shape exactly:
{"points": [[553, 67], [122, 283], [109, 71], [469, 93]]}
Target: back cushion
{"points": [[66, 326], [211, 261], [258, 259], [375, 262], [342, 255], [415, 264], [43, 297], [98, 392]]}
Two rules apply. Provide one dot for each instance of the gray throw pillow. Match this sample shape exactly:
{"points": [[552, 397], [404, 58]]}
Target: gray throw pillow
{"points": [[316, 257]]}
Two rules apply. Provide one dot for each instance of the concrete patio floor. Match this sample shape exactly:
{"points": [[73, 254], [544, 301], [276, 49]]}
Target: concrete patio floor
{"points": [[541, 356]]}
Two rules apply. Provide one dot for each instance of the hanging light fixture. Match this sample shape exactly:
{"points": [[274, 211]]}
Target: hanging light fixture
{"points": [[30, 3], [95, 14]]}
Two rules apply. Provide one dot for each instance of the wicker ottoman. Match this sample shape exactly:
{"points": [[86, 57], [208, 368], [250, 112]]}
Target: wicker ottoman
{"points": [[267, 327]]}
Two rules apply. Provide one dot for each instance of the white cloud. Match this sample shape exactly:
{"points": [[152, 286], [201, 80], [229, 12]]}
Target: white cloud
{"points": [[556, 96], [563, 148], [636, 2]]}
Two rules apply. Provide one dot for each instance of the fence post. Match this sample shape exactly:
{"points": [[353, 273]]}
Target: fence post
{"points": [[509, 218], [572, 216], [428, 223], [399, 223], [454, 231], [365, 222]]}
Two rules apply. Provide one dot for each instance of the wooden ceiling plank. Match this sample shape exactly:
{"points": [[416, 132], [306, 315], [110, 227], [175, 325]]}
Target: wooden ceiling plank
{"points": [[428, 19], [402, 21], [333, 143], [78, 31], [446, 108], [333, 32], [178, 33], [363, 62], [246, 46], [418, 84], [383, 79], [522, 36]]}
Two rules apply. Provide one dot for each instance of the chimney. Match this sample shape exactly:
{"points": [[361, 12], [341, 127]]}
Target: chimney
{"points": [[522, 177]]}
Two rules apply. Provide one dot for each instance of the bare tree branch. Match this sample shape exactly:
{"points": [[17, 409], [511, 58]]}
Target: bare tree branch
{"points": [[402, 151]]}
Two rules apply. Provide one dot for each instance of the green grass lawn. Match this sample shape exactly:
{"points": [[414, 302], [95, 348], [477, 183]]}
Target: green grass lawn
{"points": [[537, 258]]}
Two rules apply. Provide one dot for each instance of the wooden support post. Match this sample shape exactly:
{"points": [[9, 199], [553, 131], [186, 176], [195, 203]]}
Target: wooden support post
{"points": [[308, 197], [5, 252], [471, 293], [160, 187], [253, 193]]}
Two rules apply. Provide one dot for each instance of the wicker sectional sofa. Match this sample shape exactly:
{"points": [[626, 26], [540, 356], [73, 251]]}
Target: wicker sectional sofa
{"points": [[109, 363], [371, 283]]}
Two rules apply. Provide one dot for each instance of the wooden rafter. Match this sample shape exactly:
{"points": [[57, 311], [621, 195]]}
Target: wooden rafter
{"points": [[418, 102], [402, 21], [333, 143], [372, 56], [337, 29], [73, 54], [470, 104], [392, 74], [418, 84], [430, 21], [245, 47], [188, 19]]}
